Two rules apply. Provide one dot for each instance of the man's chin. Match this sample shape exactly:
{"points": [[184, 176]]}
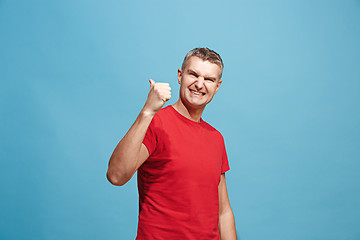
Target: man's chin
{"points": [[194, 103], [197, 105]]}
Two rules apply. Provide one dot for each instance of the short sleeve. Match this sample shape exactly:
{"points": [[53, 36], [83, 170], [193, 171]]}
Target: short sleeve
{"points": [[225, 163], [150, 139]]}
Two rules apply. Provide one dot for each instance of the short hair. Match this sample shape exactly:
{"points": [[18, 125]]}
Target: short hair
{"points": [[205, 54]]}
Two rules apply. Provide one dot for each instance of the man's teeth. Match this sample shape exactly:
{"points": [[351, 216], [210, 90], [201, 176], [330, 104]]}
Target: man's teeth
{"points": [[197, 93]]}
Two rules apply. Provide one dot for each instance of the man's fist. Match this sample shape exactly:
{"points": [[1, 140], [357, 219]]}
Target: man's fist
{"points": [[159, 93]]}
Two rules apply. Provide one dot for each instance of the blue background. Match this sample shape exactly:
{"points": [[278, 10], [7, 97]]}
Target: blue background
{"points": [[74, 76]]}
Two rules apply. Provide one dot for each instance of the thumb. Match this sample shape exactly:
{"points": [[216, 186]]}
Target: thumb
{"points": [[152, 82]]}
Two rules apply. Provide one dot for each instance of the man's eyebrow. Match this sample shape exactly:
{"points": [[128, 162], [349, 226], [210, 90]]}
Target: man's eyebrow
{"points": [[206, 77], [211, 78], [192, 71]]}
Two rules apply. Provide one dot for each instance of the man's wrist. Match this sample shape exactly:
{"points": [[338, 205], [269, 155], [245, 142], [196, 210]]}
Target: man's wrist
{"points": [[146, 113]]}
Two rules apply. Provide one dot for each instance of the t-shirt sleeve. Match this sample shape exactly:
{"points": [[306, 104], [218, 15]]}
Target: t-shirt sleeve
{"points": [[225, 163], [150, 139]]}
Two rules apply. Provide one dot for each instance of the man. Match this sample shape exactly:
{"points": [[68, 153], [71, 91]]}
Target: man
{"points": [[181, 160]]}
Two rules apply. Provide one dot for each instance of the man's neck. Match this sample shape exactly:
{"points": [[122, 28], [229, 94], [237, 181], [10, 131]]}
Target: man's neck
{"points": [[190, 113]]}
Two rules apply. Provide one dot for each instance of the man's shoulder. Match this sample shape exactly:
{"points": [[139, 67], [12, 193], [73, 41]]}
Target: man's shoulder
{"points": [[164, 112], [162, 116], [211, 128]]}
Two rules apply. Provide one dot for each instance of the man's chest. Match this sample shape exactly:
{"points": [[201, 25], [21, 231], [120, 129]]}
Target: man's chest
{"points": [[186, 153]]}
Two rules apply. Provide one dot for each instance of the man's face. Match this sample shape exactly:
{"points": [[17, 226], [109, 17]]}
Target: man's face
{"points": [[199, 82]]}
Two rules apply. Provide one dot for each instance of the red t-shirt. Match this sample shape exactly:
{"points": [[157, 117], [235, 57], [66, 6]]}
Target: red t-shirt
{"points": [[178, 183]]}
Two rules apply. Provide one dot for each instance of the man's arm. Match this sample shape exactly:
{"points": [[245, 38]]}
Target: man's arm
{"points": [[130, 153], [226, 216]]}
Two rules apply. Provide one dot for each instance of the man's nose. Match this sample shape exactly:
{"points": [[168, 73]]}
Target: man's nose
{"points": [[199, 84]]}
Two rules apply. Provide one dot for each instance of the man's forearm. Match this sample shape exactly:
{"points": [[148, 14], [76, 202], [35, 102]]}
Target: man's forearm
{"points": [[227, 226], [125, 159], [129, 154]]}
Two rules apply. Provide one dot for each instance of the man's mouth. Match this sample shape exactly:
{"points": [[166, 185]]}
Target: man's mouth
{"points": [[197, 93]]}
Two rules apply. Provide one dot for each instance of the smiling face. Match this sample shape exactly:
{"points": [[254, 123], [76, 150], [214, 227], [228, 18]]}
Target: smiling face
{"points": [[199, 81]]}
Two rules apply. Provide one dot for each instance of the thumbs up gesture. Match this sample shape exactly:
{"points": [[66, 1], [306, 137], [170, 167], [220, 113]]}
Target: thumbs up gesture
{"points": [[159, 93]]}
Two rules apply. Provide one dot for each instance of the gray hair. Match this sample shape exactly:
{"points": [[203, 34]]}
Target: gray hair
{"points": [[205, 54]]}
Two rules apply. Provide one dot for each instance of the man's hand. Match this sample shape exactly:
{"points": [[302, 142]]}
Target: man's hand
{"points": [[159, 93]]}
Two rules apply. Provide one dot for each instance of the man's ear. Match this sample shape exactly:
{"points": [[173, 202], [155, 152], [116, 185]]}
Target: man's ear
{"points": [[179, 75], [218, 85]]}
